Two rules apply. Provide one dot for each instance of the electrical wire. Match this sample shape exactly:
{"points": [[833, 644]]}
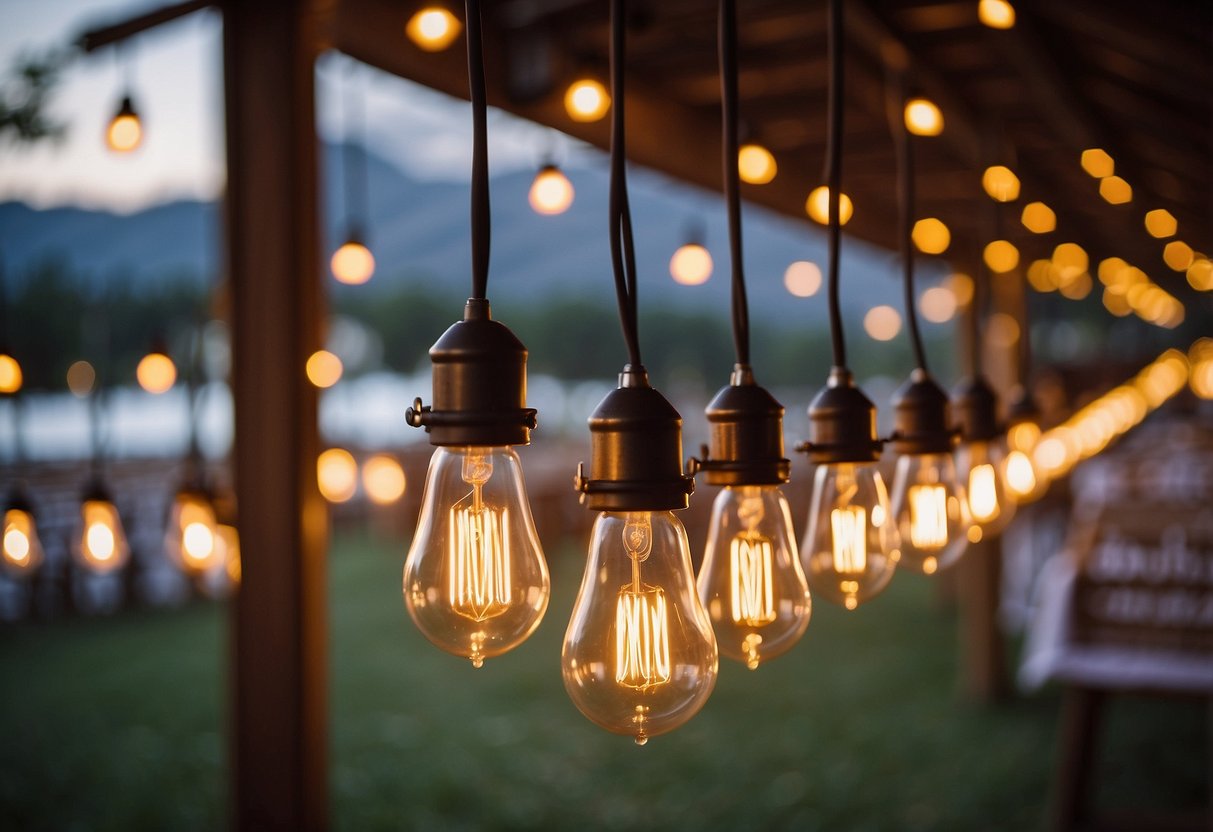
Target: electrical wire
{"points": [[904, 151], [732, 189], [481, 221], [833, 176], [623, 253]]}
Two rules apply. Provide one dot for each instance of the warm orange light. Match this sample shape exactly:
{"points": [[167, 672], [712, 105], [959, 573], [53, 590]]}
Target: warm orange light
{"points": [[691, 265], [433, 28], [1002, 330], [1116, 303], [1001, 256], [1078, 287], [1038, 218], [997, 14], [11, 376], [352, 263], [1097, 163], [755, 164], [324, 369], [337, 475], [102, 544], [383, 479], [1001, 183], [21, 549], [1200, 274], [938, 304], [1043, 276], [1070, 260], [1161, 223], [80, 378], [1178, 255], [586, 100], [156, 373], [931, 236], [1115, 190], [551, 192], [882, 323], [802, 278], [817, 206], [961, 285], [125, 133], [923, 117]]}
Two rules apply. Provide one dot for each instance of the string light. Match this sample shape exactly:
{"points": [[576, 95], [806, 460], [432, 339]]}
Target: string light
{"points": [[156, 372], [551, 191], [586, 100], [433, 28], [817, 206], [125, 130], [81, 377], [691, 264], [11, 377], [1161, 223], [1001, 256], [383, 479], [997, 14], [1097, 163], [1000, 183], [324, 369], [352, 263], [922, 117], [931, 236], [337, 475], [802, 278], [1115, 190], [1038, 218], [755, 164]]}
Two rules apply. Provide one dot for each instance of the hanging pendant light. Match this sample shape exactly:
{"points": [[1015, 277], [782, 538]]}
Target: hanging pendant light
{"points": [[929, 505], [156, 372], [21, 546], [475, 580], [751, 582], [433, 27], [101, 545], [124, 133], [353, 263], [851, 547], [551, 191], [692, 264], [639, 655]]}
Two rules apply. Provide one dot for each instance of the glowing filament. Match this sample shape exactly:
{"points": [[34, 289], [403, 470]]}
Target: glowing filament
{"points": [[1020, 475], [928, 516], [198, 542], [99, 541], [18, 526], [849, 532], [752, 596], [983, 499], [642, 638], [479, 562]]}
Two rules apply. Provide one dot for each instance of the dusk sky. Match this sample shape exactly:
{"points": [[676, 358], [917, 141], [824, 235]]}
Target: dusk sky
{"points": [[177, 86]]}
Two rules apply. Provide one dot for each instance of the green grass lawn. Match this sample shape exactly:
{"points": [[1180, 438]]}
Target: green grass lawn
{"points": [[119, 724]]}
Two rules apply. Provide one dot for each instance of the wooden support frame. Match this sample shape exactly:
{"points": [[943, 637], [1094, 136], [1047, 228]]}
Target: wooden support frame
{"points": [[279, 630]]}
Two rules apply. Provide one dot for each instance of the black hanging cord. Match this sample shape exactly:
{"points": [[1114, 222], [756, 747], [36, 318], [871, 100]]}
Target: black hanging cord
{"points": [[481, 223], [834, 175], [623, 253], [357, 203], [732, 187], [904, 151]]}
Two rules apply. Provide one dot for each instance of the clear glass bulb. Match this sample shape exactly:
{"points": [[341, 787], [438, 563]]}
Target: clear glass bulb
{"points": [[101, 545], [639, 655], [22, 549], [981, 467], [192, 536], [475, 581], [931, 512], [851, 547], [751, 582]]}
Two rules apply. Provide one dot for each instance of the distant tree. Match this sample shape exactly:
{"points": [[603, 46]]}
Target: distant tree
{"points": [[24, 93]]}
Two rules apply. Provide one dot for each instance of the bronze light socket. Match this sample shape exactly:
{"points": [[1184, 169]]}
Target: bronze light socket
{"points": [[479, 385], [975, 409], [920, 410], [842, 423], [747, 435], [635, 451]]}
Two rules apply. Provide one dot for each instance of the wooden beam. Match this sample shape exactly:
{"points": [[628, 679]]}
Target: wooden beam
{"points": [[105, 36], [279, 664]]}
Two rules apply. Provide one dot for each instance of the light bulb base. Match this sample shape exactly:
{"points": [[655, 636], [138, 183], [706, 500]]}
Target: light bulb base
{"points": [[747, 435], [479, 385], [635, 451], [975, 409], [842, 423], [920, 409], [18, 500]]}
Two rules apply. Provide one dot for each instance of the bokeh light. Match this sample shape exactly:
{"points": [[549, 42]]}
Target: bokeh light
{"points": [[586, 100], [11, 377], [882, 323], [433, 28], [1161, 223], [1097, 163], [931, 236], [802, 278], [923, 117], [383, 479], [156, 373], [1038, 218], [551, 192], [691, 265], [938, 304], [817, 206], [1001, 183], [353, 263], [324, 369], [337, 475], [755, 164], [1001, 256], [81, 377]]}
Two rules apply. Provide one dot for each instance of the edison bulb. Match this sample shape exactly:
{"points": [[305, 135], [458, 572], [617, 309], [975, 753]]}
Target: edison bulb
{"points": [[1023, 483], [691, 265], [352, 263], [586, 100], [156, 372], [931, 512], [475, 580], [751, 582], [851, 547], [101, 546], [191, 537], [639, 655], [551, 192], [981, 470], [22, 550], [125, 131]]}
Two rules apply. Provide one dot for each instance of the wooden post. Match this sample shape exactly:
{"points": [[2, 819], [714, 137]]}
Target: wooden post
{"points": [[1080, 712], [278, 664], [983, 655]]}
